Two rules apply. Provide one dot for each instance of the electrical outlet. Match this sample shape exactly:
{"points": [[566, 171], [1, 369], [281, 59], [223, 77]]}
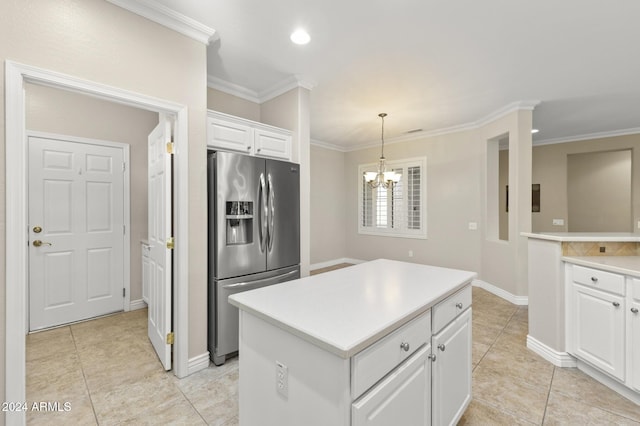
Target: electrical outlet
{"points": [[410, 253], [282, 379], [473, 226], [558, 222]]}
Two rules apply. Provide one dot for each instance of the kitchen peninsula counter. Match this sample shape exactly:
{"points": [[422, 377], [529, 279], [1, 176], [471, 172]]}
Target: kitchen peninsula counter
{"points": [[312, 349]]}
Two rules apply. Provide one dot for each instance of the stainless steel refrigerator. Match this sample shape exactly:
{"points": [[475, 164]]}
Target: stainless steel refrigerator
{"points": [[254, 235]]}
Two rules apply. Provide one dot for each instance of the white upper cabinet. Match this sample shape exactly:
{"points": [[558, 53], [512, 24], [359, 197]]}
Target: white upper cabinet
{"points": [[231, 133]]}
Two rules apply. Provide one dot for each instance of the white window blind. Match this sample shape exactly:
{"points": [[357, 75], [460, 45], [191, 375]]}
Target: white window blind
{"points": [[398, 211]]}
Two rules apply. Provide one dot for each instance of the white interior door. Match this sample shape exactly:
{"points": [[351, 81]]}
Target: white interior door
{"points": [[160, 231], [76, 231]]}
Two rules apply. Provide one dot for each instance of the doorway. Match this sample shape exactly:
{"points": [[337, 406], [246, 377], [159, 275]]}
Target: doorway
{"points": [[16, 75], [79, 229]]}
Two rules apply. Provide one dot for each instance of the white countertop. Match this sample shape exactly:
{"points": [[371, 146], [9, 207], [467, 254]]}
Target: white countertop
{"points": [[346, 310], [628, 265], [584, 236]]}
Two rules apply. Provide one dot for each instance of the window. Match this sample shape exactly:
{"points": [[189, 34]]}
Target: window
{"points": [[394, 212]]}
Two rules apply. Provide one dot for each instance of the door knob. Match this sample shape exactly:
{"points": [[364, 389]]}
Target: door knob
{"points": [[38, 243], [37, 229]]}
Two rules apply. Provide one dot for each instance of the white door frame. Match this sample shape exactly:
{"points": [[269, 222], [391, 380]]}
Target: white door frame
{"points": [[126, 283], [16, 214]]}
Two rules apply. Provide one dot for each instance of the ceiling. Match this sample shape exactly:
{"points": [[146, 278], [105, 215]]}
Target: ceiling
{"points": [[435, 65]]}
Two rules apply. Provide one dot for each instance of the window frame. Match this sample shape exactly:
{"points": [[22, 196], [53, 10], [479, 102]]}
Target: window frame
{"points": [[402, 232]]}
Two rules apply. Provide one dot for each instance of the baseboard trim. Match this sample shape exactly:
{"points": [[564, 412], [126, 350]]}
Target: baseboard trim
{"points": [[198, 363], [333, 262], [137, 304], [609, 382], [516, 300], [559, 359]]}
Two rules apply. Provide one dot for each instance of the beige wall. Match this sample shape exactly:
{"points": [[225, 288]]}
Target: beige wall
{"points": [[328, 205], [599, 191], [65, 113], [550, 171], [98, 41], [229, 104], [454, 165]]}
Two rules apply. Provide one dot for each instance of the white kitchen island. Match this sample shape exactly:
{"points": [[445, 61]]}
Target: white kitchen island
{"points": [[379, 343]]}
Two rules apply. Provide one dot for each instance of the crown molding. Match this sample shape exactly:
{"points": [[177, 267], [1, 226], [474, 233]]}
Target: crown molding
{"points": [[169, 18], [274, 91], [328, 145], [589, 136], [233, 89], [512, 107]]}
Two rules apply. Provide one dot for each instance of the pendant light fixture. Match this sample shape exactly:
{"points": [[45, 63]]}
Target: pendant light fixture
{"points": [[382, 178]]}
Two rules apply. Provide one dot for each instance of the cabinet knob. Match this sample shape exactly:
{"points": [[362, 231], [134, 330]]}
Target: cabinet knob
{"points": [[259, 149], [634, 310], [432, 357], [616, 304], [249, 148], [404, 346], [459, 305], [442, 347], [594, 279]]}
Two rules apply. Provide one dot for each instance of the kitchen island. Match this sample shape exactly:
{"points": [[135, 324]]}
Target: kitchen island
{"points": [[383, 342]]}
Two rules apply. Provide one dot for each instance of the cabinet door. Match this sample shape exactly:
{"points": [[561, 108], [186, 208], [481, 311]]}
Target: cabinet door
{"points": [[401, 398], [452, 370], [598, 325], [268, 143], [229, 135], [635, 345]]}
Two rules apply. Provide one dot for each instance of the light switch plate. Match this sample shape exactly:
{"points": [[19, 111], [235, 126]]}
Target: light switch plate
{"points": [[558, 222], [473, 226]]}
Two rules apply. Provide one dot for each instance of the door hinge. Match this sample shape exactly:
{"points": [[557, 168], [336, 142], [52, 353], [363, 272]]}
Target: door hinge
{"points": [[171, 243], [124, 291], [169, 147], [170, 338]]}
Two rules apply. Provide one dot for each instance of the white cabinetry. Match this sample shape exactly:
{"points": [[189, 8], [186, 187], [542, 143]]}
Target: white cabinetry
{"points": [[634, 338], [402, 398], [146, 271], [231, 133], [451, 346], [603, 326]]}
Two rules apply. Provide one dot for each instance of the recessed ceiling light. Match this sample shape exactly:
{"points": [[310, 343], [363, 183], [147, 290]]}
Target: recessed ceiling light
{"points": [[534, 131], [300, 36]]}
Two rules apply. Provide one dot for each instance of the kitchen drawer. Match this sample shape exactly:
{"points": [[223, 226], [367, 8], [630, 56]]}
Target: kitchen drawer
{"points": [[447, 310], [373, 363], [596, 278]]}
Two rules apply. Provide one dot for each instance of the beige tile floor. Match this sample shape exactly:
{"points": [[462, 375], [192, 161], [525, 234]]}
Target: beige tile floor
{"points": [[108, 371]]}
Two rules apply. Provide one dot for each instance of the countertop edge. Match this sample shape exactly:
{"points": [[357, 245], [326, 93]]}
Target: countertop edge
{"points": [[583, 237], [592, 262], [363, 344]]}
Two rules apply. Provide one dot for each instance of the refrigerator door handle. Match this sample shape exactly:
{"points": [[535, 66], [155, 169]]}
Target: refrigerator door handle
{"points": [[248, 283], [272, 212], [262, 214]]}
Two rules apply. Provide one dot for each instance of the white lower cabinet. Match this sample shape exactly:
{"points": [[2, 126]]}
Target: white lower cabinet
{"points": [[401, 398], [635, 345], [598, 329], [603, 325], [451, 374]]}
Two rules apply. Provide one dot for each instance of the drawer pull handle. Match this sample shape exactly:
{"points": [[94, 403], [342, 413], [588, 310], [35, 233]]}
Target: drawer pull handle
{"points": [[432, 357], [442, 347], [634, 310], [459, 305], [616, 304], [594, 279], [404, 346]]}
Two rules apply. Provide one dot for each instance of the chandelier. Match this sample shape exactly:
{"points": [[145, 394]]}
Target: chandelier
{"points": [[382, 178]]}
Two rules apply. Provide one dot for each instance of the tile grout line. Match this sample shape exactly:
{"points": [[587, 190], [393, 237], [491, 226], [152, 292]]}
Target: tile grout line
{"points": [[84, 377], [191, 403]]}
